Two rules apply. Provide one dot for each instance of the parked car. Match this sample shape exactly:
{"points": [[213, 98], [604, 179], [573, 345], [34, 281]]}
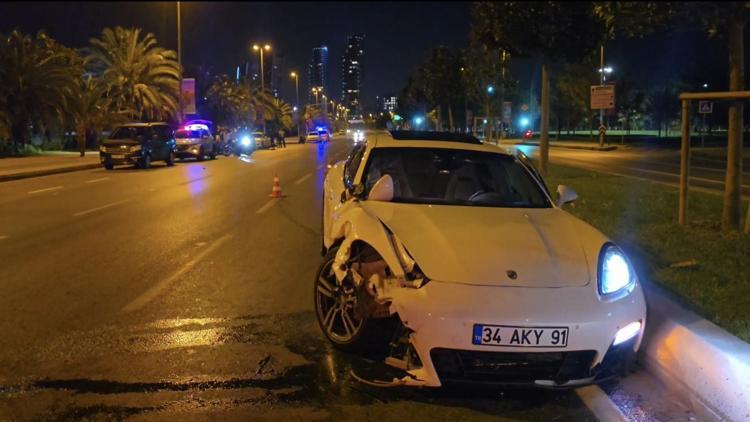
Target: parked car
{"points": [[196, 141], [453, 257], [318, 135], [528, 134], [138, 144]]}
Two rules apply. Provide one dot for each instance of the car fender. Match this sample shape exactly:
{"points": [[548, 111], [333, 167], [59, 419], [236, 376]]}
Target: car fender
{"points": [[359, 225]]}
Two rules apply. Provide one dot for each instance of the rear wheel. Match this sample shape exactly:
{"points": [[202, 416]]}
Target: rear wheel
{"points": [[213, 153], [170, 159]]}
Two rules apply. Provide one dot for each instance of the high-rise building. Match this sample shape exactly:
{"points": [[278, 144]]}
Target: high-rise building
{"points": [[388, 104], [351, 74], [317, 71], [277, 74]]}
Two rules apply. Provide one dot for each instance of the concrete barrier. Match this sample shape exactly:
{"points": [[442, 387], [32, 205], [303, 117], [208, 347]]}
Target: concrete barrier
{"points": [[706, 364]]}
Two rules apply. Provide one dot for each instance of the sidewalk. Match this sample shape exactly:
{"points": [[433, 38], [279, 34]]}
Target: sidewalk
{"points": [[591, 146], [49, 163]]}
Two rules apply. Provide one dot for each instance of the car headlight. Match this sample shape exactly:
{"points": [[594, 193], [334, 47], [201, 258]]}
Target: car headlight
{"points": [[135, 148], [615, 272], [246, 141]]}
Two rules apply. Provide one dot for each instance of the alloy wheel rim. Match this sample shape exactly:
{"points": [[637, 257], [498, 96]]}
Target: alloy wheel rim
{"points": [[336, 303]]}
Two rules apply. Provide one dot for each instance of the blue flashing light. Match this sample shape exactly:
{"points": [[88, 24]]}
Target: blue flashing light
{"points": [[418, 120]]}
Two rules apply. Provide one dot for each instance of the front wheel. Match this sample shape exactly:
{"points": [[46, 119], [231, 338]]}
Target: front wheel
{"points": [[108, 165], [213, 153], [201, 155], [145, 162], [170, 159], [335, 305]]}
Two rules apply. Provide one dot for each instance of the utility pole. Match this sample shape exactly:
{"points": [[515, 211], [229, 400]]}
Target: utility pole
{"points": [[179, 59], [601, 83]]}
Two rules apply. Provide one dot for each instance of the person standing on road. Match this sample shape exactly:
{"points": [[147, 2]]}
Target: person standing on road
{"points": [[282, 141]]}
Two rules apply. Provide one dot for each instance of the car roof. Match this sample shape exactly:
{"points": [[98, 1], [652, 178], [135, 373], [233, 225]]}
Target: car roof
{"points": [[140, 124], [446, 140]]}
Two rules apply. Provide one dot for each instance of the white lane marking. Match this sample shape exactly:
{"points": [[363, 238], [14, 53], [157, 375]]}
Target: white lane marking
{"points": [[600, 404], [267, 206], [97, 180], [157, 288], [78, 214], [45, 190], [5, 236], [303, 178]]}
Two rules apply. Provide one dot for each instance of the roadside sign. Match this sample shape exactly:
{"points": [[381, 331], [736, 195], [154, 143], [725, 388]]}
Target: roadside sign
{"points": [[188, 95], [705, 107], [602, 97], [602, 130], [507, 105], [525, 107]]}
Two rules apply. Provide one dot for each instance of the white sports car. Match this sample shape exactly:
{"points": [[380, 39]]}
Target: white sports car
{"points": [[452, 256]]}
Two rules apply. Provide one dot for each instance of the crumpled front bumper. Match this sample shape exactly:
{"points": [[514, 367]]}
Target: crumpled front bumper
{"points": [[442, 316]]}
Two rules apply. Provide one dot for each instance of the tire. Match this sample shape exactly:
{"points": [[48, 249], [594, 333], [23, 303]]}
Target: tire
{"points": [[213, 153], [201, 155], [170, 159], [351, 336], [108, 165], [145, 162]]}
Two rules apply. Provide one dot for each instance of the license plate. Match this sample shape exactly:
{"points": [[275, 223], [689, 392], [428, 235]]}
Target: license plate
{"points": [[510, 336], [118, 156]]}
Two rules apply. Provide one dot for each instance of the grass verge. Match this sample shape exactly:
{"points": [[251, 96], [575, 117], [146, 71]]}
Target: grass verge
{"points": [[642, 218]]}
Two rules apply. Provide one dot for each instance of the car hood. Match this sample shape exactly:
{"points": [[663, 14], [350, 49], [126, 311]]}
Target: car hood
{"points": [[117, 142], [488, 246], [188, 140]]}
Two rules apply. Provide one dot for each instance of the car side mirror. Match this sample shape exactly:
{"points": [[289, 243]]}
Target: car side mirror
{"points": [[382, 190], [565, 195]]}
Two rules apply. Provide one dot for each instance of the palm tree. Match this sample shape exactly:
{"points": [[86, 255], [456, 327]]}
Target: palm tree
{"points": [[229, 102], [92, 111], [38, 78], [141, 76], [280, 116]]}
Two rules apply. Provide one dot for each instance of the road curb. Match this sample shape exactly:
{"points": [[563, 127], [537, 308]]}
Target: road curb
{"points": [[600, 404], [607, 148], [46, 172], [698, 359]]}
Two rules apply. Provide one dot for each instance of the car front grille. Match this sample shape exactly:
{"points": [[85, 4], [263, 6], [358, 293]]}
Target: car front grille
{"points": [[511, 367], [117, 150]]}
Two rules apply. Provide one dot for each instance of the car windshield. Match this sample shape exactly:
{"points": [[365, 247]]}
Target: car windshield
{"points": [[130, 132], [455, 177], [356, 127], [187, 134]]}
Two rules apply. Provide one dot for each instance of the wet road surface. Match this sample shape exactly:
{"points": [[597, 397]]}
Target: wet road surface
{"points": [[186, 292]]}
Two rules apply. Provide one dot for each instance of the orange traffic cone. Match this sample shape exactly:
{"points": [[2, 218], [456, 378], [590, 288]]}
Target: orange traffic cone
{"points": [[276, 190]]}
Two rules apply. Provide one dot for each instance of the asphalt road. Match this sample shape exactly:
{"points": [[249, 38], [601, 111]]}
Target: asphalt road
{"points": [[187, 292], [656, 164]]}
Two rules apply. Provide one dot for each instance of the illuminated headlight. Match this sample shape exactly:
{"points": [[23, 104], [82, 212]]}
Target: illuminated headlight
{"points": [[246, 141], [627, 332], [615, 272], [102, 148], [135, 148], [348, 131]]}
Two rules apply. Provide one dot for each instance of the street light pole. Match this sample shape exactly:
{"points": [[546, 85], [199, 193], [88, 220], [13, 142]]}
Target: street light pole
{"points": [[601, 83], [296, 92], [266, 47], [179, 59]]}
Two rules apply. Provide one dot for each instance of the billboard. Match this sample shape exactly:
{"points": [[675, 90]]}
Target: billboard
{"points": [[188, 96]]}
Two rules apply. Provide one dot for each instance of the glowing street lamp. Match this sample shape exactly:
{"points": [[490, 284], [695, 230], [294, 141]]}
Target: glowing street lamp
{"points": [[266, 47]]}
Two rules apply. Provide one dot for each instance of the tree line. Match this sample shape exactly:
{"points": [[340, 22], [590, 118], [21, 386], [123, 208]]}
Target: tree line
{"points": [[48, 89], [566, 37]]}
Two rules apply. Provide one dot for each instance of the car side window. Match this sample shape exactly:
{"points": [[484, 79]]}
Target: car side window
{"points": [[163, 133], [350, 170]]}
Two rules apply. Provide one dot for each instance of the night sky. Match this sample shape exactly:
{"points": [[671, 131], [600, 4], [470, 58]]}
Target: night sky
{"points": [[397, 35]]}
